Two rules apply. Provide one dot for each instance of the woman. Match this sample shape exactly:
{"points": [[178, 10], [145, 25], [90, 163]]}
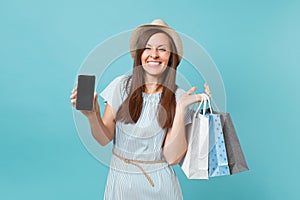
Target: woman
{"points": [[145, 116]]}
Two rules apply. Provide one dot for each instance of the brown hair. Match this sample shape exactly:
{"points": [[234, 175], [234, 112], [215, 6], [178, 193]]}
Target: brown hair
{"points": [[131, 108]]}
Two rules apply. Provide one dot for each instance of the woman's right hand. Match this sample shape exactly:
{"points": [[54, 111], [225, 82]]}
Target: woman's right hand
{"points": [[87, 113]]}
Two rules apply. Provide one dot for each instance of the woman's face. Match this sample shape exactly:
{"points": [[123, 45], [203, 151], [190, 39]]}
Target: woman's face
{"points": [[156, 55]]}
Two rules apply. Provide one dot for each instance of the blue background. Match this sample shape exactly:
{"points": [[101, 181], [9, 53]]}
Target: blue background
{"points": [[255, 45]]}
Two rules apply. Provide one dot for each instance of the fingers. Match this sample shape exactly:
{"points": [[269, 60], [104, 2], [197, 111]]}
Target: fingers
{"points": [[194, 99], [201, 97], [205, 96], [95, 97], [96, 105], [73, 97], [206, 87], [73, 102], [193, 89], [198, 97], [74, 90], [207, 90], [188, 98]]}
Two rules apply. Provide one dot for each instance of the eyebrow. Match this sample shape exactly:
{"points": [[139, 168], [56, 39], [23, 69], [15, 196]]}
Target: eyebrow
{"points": [[158, 45]]}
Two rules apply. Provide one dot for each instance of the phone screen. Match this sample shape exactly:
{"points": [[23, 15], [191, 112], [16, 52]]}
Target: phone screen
{"points": [[85, 92]]}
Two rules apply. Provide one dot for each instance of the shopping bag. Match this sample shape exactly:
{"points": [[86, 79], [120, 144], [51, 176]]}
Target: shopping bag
{"points": [[217, 157], [236, 159], [195, 162]]}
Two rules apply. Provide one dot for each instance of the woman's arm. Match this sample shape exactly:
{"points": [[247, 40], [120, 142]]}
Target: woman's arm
{"points": [[175, 144], [102, 129]]}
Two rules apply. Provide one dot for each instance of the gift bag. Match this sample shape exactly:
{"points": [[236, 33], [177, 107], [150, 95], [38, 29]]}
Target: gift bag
{"points": [[195, 162], [217, 157], [235, 156]]}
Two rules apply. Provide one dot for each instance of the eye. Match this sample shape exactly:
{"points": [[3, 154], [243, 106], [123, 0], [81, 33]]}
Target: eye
{"points": [[162, 50], [147, 48]]}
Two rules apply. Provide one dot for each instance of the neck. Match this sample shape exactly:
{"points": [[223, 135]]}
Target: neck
{"points": [[152, 85], [151, 89]]}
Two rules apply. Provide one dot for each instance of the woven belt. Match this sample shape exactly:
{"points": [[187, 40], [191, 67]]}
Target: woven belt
{"points": [[136, 163]]}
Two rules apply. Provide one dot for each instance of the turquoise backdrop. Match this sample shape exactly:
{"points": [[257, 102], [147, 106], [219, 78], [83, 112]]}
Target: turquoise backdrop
{"points": [[255, 44]]}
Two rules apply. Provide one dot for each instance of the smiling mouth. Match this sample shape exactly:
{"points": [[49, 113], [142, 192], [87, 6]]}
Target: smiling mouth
{"points": [[153, 62]]}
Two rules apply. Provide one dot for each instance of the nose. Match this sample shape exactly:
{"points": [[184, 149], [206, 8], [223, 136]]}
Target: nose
{"points": [[154, 53]]}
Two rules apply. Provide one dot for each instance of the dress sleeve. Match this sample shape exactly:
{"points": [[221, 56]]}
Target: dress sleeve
{"points": [[188, 113], [113, 94]]}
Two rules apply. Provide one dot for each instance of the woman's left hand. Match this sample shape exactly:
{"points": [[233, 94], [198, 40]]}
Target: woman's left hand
{"points": [[188, 98]]}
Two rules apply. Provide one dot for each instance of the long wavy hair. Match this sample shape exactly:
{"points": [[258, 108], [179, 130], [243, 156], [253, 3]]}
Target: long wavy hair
{"points": [[131, 108]]}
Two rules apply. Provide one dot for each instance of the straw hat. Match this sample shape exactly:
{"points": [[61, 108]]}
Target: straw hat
{"points": [[159, 24]]}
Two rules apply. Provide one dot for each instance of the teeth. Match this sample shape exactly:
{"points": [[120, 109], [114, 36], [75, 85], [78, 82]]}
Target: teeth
{"points": [[154, 63]]}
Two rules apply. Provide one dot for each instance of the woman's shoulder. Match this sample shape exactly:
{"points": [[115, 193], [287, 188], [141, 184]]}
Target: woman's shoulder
{"points": [[121, 78], [123, 81], [120, 81], [114, 93], [116, 85]]}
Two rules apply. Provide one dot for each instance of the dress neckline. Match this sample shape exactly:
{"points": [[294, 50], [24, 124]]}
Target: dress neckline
{"points": [[148, 94]]}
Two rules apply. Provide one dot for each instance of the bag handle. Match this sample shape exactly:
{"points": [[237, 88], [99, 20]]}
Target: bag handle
{"points": [[200, 104], [209, 105], [205, 99]]}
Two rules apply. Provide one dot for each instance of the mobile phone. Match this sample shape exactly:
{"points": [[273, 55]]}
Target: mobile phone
{"points": [[85, 92]]}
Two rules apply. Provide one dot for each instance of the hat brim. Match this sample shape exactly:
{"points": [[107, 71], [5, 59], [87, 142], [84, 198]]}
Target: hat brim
{"points": [[141, 29]]}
